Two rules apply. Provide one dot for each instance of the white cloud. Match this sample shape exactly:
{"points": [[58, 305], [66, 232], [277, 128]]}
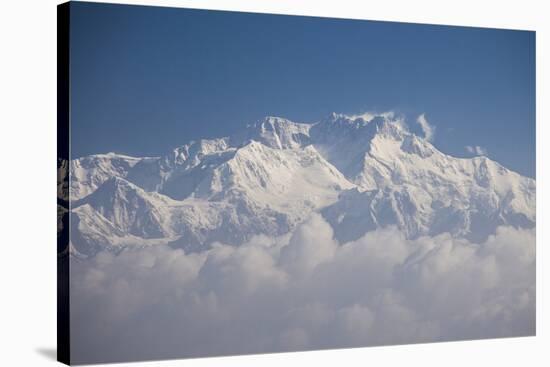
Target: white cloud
{"points": [[477, 150], [302, 291], [310, 245], [368, 116], [427, 129]]}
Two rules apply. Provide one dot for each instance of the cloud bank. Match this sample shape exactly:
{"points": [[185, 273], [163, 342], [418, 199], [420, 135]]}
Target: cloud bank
{"points": [[301, 291], [427, 129]]}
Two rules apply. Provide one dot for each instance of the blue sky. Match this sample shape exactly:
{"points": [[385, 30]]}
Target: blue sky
{"points": [[147, 79]]}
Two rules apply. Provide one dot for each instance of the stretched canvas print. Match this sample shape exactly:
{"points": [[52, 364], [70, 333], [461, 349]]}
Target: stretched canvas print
{"points": [[234, 183]]}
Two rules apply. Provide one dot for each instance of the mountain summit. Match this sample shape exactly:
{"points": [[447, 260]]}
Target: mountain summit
{"points": [[360, 172]]}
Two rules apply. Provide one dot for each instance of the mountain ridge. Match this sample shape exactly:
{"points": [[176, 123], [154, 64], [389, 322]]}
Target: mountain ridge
{"points": [[359, 172]]}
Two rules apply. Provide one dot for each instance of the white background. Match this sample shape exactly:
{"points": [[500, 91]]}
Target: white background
{"points": [[28, 175]]}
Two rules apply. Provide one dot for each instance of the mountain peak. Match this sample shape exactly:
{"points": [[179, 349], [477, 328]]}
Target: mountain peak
{"points": [[275, 120], [414, 145], [344, 130], [361, 119], [275, 132], [115, 188]]}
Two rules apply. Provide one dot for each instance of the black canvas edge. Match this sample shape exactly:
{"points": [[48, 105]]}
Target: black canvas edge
{"points": [[63, 158]]}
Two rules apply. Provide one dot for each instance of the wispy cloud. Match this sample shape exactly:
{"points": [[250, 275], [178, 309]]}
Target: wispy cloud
{"points": [[427, 128], [369, 115], [476, 149]]}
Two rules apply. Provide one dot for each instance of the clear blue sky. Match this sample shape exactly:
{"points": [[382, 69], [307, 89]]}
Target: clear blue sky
{"points": [[148, 79]]}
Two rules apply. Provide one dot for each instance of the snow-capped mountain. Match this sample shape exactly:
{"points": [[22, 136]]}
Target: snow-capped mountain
{"points": [[360, 173]]}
